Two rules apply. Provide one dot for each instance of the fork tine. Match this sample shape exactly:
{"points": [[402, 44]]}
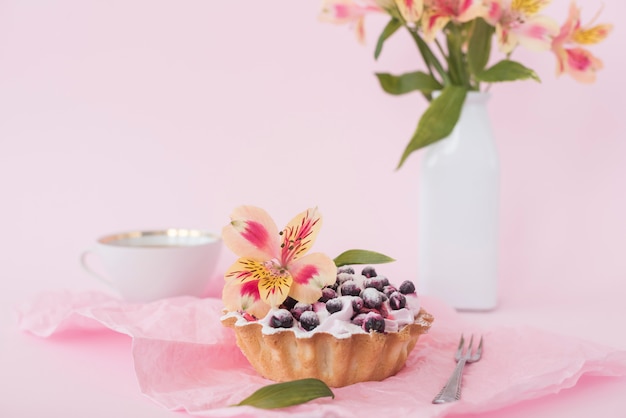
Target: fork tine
{"points": [[479, 350], [459, 350], [469, 347]]}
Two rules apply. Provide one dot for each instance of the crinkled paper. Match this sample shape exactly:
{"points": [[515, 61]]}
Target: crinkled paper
{"points": [[186, 360]]}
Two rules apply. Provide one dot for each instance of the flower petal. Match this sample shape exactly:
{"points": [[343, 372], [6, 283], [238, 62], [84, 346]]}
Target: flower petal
{"points": [[432, 23], [529, 7], [251, 233], [310, 274], [411, 10], [299, 235], [507, 40], [244, 297], [273, 281], [471, 9], [494, 11], [582, 65], [345, 11], [274, 289], [246, 270], [570, 25], [592, 35], [537, 33], [359, 28]]}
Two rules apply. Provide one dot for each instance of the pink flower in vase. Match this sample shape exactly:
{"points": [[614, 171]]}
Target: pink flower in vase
{"points": [[578, 62], [518, 22], [437, 14], [349, 11]]}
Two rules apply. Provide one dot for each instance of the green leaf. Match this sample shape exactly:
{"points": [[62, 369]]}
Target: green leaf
{"points": [[393, 25], [280, 395], [479, 47], [361, 257], [438, 120], [456, 64], [408, 82], [507, 70]]}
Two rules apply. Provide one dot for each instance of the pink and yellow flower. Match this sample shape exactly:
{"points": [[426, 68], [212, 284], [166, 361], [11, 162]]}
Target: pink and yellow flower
{"points": [[518, 22], [437, 14], [350, 12], [576, 61], [273, 264]]}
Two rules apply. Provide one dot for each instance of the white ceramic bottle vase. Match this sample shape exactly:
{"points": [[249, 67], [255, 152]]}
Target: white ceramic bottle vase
{"points": [[458, 212]]}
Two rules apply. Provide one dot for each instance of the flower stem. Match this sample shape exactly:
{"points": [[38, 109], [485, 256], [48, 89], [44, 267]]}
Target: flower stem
{"points": [[457, 62], [440, 48], [429, 58]]}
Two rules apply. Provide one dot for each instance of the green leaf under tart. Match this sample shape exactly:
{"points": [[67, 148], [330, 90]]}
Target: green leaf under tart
{"points": [[406, 83], [361, 257], [280, 395], [507, 70], [438, 120], [393, 25]]}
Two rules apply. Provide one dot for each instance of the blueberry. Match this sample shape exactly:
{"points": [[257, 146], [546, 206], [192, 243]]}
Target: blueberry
{"points": [[345, 269], [407, 287], [388, 290], [357, 304], [334, 305], [373, 322], [289, 303], [397, 301], [281, 319], [309, 320], [358, 320], [383, 279], [343, 277], [374, 282], [327, 294], [368, 271], [372, 298], [299, 308], [350, 288]]}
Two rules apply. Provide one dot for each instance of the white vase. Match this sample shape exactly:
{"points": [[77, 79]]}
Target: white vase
{"points": [[458, 212]]}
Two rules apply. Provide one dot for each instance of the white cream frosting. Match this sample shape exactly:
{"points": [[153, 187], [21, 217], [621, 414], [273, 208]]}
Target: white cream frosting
{"points": [[338, 324]]}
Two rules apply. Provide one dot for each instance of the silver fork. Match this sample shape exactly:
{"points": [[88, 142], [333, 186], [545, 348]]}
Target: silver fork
{"points": [[452, 389]]}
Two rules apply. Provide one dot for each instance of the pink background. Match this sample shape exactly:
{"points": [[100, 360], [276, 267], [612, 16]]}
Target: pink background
{"points": [[140, 114]]}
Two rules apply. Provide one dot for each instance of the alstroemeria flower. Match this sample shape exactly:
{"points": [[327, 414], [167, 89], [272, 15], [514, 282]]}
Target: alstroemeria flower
{"points": [[518, 22], [273, 264], [578, 62], [349, 11], [437, 14]]}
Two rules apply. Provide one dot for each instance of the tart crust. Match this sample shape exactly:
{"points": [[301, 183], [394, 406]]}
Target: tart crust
{"points": [[338, 362]]}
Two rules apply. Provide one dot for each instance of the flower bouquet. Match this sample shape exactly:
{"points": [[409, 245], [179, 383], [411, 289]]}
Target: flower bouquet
{"points": [[454, 39]]}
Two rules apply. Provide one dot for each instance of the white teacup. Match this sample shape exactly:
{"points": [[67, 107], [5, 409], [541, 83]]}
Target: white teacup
{"points": [[148, 265]]}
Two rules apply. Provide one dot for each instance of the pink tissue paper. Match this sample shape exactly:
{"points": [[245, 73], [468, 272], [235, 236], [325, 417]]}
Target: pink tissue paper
{"points": [[186, 360]]}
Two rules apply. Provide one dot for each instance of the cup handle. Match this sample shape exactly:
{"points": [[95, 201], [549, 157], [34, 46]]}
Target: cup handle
{"points": [[88, 269]]}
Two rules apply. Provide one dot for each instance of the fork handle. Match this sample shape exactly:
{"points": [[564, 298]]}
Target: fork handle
{"points": [[452, 389]]}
